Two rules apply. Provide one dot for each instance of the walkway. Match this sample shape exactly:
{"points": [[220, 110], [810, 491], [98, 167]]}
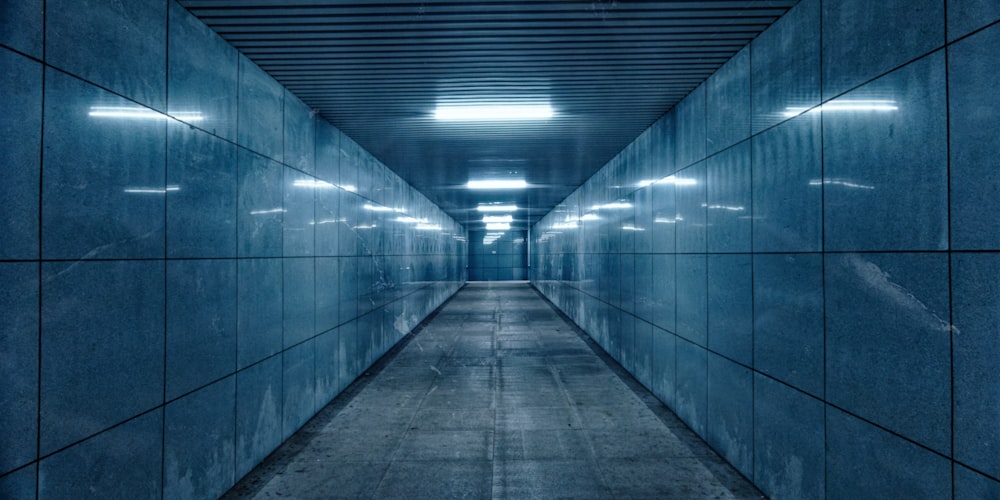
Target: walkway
{"points": [[497, 396]]}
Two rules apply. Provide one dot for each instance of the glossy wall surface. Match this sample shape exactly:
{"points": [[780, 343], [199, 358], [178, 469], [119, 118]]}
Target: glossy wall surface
{"points": [[801, 258], [193, 263], [498, 255]]}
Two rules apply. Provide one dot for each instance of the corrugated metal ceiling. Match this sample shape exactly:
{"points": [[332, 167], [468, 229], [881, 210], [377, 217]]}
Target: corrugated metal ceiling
{"points": [[376, 70]]}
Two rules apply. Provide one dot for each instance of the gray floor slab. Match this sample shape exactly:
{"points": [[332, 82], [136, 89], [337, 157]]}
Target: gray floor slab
{"points": [[495, 396]]}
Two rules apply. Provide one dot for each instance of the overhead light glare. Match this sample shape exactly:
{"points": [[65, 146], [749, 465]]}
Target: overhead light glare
{"points": [[497, 208], [493, 112], [498, 218], [497, 184], [498, 226]]}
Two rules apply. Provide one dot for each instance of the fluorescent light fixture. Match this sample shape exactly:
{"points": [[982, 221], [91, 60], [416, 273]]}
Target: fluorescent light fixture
{"points": [[677, 181], [137, 113], [617, 205], [564, 225], [632, 228], [493, 112], [731, 208], [590, 217], [410, 220], [878, 105], [145, 190], [270, 211], [498, 218], [347, 187], [837, 182], [667, 220], [498, 226], [428, 227], [380, 208], [497, 184], [497, 208]]}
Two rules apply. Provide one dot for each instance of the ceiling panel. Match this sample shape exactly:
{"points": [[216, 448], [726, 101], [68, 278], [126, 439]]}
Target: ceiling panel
{"points": [[377, 70]]}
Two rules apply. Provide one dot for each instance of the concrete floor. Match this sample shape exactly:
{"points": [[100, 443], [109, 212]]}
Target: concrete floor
{"points": [[497, 396]]}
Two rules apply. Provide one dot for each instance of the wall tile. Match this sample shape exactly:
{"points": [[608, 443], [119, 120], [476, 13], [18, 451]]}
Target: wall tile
{"points": [[789, 432], [691, 209], [112, 312], [692, 298], [18, 364], [969, 485], [730, 306], [788, 319], [727, 97], [664, 293], [856, 456], [664, 365], [644, 302], [327, 219], [788, 188], [260, 206], [199, 442], [201, 323], [871, 155], [299, 223], [125, 461], [20, 140], [349, 363], [259, 317], [785, 61], [103, 189], [643, 352], [299, 293], [119, 46], [21, 25], [730, 418], [328, 383], [691, 128], [664, 223], [966, 16], [201, 194], [300, 387], [20, 484], [974, 113], [202, 79], [260, 119], [887, 342], [300, 135], [327, 293], [327, 152], [729, 200], [258, 413], [976, 347], [862, 39], [691, 403]]}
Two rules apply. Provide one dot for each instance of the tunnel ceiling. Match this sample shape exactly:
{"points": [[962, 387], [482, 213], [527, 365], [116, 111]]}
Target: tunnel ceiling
{"points": [[378, 70]]}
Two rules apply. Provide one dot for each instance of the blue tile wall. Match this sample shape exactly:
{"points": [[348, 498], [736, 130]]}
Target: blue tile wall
{"points": [[20, 139], [182, 259], [823, 253], [498, 257], [973, 110], [19, 352], [199, 442]]}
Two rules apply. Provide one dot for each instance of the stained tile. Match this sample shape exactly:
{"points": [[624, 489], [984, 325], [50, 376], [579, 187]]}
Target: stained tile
{"points": [[299, 298], [103, 189], [260, 111], [690, 128], [727, 96], [729, 209], [976, 345], [789, 429], [199, 442], [974, 111], [119, 46], [126, 459], [692, 298], [19, 350], [785, 61], [260, 206], [202, 193], [730, 415], [201, 323], [664, 364], [20, 484], [202, 81], [691, 403], [969, 485], [863, 40], [21, 27], [299, 135], [327, 221], [966, 16], [877, 139], [259, 319], [20, 139], [299, 381], [327, 152], [258, 413], [888, 342], [664, 292], [788, 188], [114, 313], [863, 461], [691, 219], [788, 319], [299, 221]]}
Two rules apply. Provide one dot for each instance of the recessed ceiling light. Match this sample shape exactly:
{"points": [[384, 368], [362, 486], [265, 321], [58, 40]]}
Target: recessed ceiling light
{"points": [[497, 208], [497, 226], [497, 184], [493, 112], [498, 218]]}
